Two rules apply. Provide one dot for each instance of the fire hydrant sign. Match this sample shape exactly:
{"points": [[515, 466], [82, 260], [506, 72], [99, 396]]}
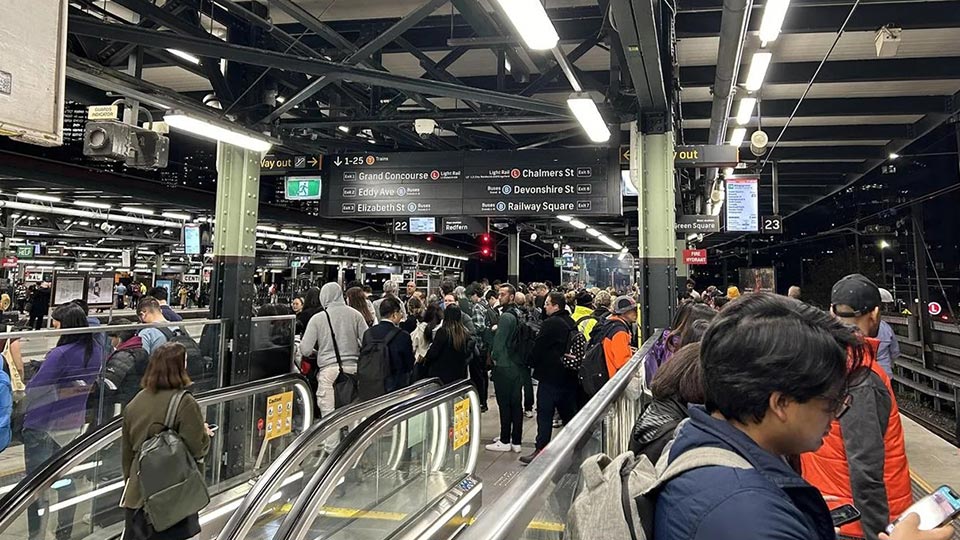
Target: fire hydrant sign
{"points": [[694, 256], [279, 415], [461, 423]]}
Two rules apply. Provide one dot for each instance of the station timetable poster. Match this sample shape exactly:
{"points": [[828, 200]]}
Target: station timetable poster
{"points": [[742, 204], [494, 183], [758, 280]]}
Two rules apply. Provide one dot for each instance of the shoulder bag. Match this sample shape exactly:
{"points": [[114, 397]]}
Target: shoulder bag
{"points": [[346, 389]]}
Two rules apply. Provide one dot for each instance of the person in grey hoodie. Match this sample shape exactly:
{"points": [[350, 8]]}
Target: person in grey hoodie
{"points": [[348, 327]]}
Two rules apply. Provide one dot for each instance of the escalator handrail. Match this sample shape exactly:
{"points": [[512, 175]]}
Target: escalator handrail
{"points": [[509, 515], [253, 503], [351, 448], [14, 503]]}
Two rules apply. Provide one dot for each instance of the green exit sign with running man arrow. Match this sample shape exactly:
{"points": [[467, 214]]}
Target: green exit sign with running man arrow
{"points": [[303, 188]]}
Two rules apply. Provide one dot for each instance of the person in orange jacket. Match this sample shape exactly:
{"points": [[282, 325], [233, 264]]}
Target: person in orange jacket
{"points": [[616, 332], [863, 460]]}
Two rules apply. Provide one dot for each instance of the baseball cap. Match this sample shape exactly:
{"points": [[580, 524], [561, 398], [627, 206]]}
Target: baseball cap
{"points": [[624, 304], [857, 292]]}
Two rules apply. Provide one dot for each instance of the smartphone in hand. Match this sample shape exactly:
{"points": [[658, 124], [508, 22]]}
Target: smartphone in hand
{"points": [[842, 515], [935, 510]]}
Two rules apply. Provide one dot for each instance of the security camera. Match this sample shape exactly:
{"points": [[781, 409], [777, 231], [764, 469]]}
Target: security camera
{"points": [[425, 127]]}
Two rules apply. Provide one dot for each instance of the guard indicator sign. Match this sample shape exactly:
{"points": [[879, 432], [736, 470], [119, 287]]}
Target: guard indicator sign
{"points": [[303, 188], [478, 184], [279, 417], [742, 205], [461, 423]]}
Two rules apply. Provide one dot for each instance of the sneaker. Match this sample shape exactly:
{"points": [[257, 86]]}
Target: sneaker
{"points": [[557, 423], [516, 448], [498, 446], [528, 414], [529, 457]]}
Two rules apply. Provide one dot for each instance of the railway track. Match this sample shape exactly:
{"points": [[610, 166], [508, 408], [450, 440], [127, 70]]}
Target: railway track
{"points": [[946, 434]]}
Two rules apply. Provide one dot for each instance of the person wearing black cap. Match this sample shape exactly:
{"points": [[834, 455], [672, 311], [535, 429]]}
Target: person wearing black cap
{"points": [[863, 461]]}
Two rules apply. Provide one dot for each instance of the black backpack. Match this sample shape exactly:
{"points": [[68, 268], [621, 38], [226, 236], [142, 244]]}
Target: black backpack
{"points": [[373, 365], [593, 372], [199, 367], [526, 335], [576, 350]]}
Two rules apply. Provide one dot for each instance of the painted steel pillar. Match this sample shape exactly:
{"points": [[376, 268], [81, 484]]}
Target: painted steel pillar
{"points": [[652, 173]]}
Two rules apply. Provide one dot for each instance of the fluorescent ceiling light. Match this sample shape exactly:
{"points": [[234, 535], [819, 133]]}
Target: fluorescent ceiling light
{"points": [[37, 196], [176, 215], [344, 129], [184, 55], [736, 138], [289, 231], [745, 110], [281, 99], [593, 232], [758, 70], [578, 224], [266, 228], [532, 22], [329, 236], [585, 109], [311, 234], [137, 210], [773, 13], [564, 218], [894, 155], [90, 204], [209, 130]]}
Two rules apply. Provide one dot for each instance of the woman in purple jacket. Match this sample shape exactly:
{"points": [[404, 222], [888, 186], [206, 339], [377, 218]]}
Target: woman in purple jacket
{"points": [[56, 406]]}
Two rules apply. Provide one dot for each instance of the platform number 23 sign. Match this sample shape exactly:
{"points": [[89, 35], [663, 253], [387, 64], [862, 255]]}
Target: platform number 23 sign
{"points": [[771, 225]]}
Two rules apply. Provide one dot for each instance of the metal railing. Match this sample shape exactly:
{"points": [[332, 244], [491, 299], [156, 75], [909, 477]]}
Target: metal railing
{"points": [[609, 415], [15, 503], [250, 510]]}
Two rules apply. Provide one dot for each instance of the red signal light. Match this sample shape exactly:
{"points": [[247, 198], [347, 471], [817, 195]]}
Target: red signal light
{"points": [[485, 251], [429, 238], [485, 238]]}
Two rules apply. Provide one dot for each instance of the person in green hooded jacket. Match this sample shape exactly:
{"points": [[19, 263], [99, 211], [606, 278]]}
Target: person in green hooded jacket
{"points": [[508, 374]]}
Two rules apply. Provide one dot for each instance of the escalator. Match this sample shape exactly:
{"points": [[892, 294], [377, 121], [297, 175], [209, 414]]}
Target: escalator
{"points": [[75, 494], [404, 472]]}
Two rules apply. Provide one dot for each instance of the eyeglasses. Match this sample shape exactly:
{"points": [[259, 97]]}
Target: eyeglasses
{"points": [[840, 405]]}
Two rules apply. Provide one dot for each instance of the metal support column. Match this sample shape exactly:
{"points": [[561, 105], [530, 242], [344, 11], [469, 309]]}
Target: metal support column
{"points": [[923, 290], [652, 172], [513, 257], [776, 188], [238, 197]]}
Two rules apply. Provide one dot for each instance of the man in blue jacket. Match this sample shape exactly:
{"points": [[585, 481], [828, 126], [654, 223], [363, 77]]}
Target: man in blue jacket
{"points": [[775, 375]]}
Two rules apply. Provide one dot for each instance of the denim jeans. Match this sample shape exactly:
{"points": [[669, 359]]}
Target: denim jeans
{"points": [[38, 447]]}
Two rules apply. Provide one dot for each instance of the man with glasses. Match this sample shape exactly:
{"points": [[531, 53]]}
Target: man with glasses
{"points": [[863, 461], [775, 375]]}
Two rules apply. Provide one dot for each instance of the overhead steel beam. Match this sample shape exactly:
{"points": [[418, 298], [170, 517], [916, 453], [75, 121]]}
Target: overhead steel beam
{"points": [[922, 127], [444, 63], [555, 71], [458, 117], [873, 132], [480, 20], [360, 55], [853, 106], [250, 55], [636, 24], [874, 70], [242, 13], [733, 30]]}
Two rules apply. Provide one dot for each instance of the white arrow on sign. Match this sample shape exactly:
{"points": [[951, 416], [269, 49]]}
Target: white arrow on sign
{"points": [[337, 162], [313, 162]]}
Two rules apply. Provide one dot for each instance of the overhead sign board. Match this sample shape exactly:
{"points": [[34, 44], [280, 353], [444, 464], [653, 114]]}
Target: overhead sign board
{"points": [[697, 224], [771, 224], [191, 278], [713, 155], [274, 164], [501, 183], [742, 205], [8, 262], [303, 188], [694, 256], [694, 156], [423, 225], [191, 240], [463, 225], [54, 251], [25, 252]]}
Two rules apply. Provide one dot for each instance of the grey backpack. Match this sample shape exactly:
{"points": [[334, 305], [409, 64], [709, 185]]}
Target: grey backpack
{"points": [[170, 481], [616, 497]]}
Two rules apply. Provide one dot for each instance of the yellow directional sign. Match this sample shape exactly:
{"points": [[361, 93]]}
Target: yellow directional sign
{"points": [[279, 164]]}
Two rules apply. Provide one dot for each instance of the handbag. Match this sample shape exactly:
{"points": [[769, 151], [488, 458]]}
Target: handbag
{"points": [[172, 485], [346, 388]]}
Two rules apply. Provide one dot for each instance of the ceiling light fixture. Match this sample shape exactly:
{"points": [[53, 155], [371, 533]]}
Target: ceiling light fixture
{"points": [[229, 134], [37, 196], [758, 70], [773, 13], [745, 110], [532, 23], [184, 56], [345, 129], [89, 204], [578, 224], [137, 210], [585, 110], [176, 215], [564, 218], [593, 232], [736, 138]]}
